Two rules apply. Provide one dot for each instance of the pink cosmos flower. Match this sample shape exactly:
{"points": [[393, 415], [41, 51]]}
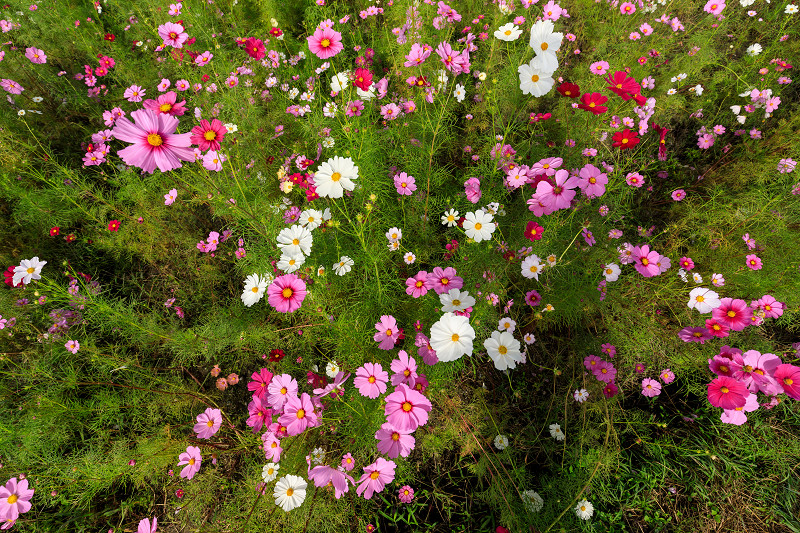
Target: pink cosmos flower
{"points": [[417, 55], [166, 103], [72, 346], [208, 135], [375, 477], [405, 369], [753, 262], [208, 423], [678, 195], [604, 371], [272, 448], [390, 111], [417, 286], [772, 308], [145, 526], [425, 350], [325, 43], [472, 188], [394, 442], [204, 58], [15, 499], [405, 184], [407, 409], [259, 385], [651, 387], [388, 332], [686, 263], [298, 414], [592, 181], [172, 34], [560, 195], [757, 371], [406, 495], [442, 281], [281, 388], [354, 108], [11, 86], [724, 366], [192, 459], [347, 462], [259, 413], [212, 160], [727, 393], [690, 334], [714, 7], [255, 48], [599, 67], [634, 179], [735, 314], [547, 166], [716, 328], [323, 475], [646, 261], [371, 380], [35, 55], [737, 416], [286, 293], [155, 143], [787, 376]]}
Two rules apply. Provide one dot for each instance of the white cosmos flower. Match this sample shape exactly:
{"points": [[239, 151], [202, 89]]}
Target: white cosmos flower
{"points": [[479, 226], [450, 218], [27, 270], [335, 176], [508, 32], [340, 81], [533, 502], [703, 300], [310, 218], [545, 43], [332, 369], [611, 272], [459, 92], [584, 510], [394, 234], [531, 267], [290, 492], [503, 348], [291, 262], [269, 472], [451, 337], [754, 49], [295, 240], [254, 289], [555, 432], [455, 300], [506, 324], [501, 442], [343, 266], [534, 81]]}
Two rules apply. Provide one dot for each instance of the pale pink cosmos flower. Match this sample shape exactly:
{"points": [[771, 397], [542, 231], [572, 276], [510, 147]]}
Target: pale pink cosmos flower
{"points": [[212, 160], [204, 58], [737, 416], [425, 350], [417, 55], [388, 332], [375, 477], [15, 499], [192, 459], [35, 55], [405, 184], [405, 369], [286, 293], [394, 442], [354, 108], [11, 86], [280, 388], [646, 261], [145, 526], [599, 67], [166, 103], [547, 166], [172, 34], [347, 462], [325, 43], [323, 475], [155, 143], [592, 182], [753, 262], [72, 346], [651, 387], [298, 414], [407, 409], [560, 195], [170, 197], [390, 111], [472, 188], [406, 493], [272, 447], [371, 380], [772, 308], [208, 423]]}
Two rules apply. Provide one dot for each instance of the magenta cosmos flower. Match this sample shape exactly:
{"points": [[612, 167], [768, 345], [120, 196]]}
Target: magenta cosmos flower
{"points": [[15, 499], [694, 334], [208, 423], [407, 409], [325, 43], [260, 383], [155, 143], [651, 387], [727, 393], [371, 380], [298, 414], [442, 281], [286, 293], [172, 34], [192, 459], [323, 475], [166, 103], [208, 136], [787, 376], [375, 477], [259, 413], [388, 332], [753, 262], [393, 442], [733, 313], [646, 261], [406, 495], [560, 195]]}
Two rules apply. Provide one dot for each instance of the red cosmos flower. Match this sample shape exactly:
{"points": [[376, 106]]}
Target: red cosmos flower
{"points": [[533, 231], [592, 102], [205, 77], [625, 139], [208, 136], [276, 355], [621, 85], [109, 37], [422, 81], [662, 144], [55, 231], [70, 238], [363, 79], [276, 32], [113, 225], [570, 90], [255, 48]]}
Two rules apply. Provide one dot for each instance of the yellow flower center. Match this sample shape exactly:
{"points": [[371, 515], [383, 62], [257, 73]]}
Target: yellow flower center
{"points": [[375, 475], [191, 461], [210, 135], [164, 108], [12, 499], [210, 423], [419, 284], [287, 292], [301, 414], [508, 32], [325, 43], [154, 139], [503, 350], [388, 333], [478, 226], [407, 406], [289, 491], [624, 141], [371, 379], [700, 298], [788, 381], [457, 303], [395, 436], [724, 390], [454, 337], [336, 176], [592, 180], [535, 78], [731, 313], [645, 261], [254, 289], [31, 270]]}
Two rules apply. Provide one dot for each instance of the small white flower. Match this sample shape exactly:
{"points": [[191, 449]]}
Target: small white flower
{"points": [[697, 277], [506, 324], [290, 492], [581, 395], [254, 289], [343, 266], [529, 338], [450, 218], [555, 432], [394, 234], [584, 510], [409, 258], [455, 300], [698, 89], [393, 246], [310, 218], [21, 112], [611, 272], [291, 262], [37, 99], [318, 454], [551, 260], [533, 502], [269, 472], [508, 32], [671, 91], [328, 142], [294, 92], [791, 9], [500, 442], [459, 92], [754, 49], [231, 128]]}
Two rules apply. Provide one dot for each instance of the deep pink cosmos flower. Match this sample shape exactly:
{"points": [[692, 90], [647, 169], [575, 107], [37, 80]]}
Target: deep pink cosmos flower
{"points": [[604, 371], [388, 332], [280, 389], [405, 369], [407, 409], [690, 334], [727, 393], [286, 293], [417, 286], [208, 423], [533, 231], [15, 499], [686, 263], [394, 442], [375, 477], [716, 328], [323, 475], [621, 85], [442, 281], [155, 143], [406, 495], [362, 79], [298, 414], [325, 43], [260, 383], [533, 298], [646, 261], [723, 366], [255, 48], [208, 136], [610, 390], [733, 313], [192, 459], [259, 413], [787, 376], [560, 195], [753, 262], [609, 349], [371, 380], [166, 103]]}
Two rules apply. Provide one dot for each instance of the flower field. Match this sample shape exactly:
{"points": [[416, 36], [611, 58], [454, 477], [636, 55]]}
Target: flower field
{"points": [[400, 265]]}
